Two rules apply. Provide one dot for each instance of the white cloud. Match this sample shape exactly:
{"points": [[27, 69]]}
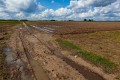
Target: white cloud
{"points": [[19, 8], [77, 10], [21, 5], [4, 15], [80, 3], [87, 3], [106, 9]]}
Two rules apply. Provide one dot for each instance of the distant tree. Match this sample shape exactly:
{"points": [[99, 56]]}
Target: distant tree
{"points": [[70, 20], [85, 19], [24, 20], [88, 20], [52, 20]]}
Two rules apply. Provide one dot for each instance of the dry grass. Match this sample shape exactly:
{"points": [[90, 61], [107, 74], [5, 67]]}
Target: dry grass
{"points": [[103, 43]]}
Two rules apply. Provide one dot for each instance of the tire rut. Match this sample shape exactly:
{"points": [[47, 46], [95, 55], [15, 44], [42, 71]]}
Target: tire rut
{"points": [[37, 70]]}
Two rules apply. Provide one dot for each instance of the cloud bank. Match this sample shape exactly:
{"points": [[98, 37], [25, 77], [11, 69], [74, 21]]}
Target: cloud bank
{"points": [[76, 10], [14, 9]]}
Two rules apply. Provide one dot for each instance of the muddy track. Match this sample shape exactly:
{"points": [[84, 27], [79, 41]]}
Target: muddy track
{"points": [[37, 70], [16, 61], [87, 73], [26, 52]]}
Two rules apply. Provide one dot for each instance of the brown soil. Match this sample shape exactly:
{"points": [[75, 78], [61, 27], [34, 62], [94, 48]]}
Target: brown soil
{"points": [[54, 67], [102, 43], [37, 51], [80, 61], [49, 45], [78, 27], [18, 71], [39, 55], [5, 32], [98, 43]]}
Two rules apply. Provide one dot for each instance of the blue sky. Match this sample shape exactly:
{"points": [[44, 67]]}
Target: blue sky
{"points": [[60, 9], [54, 4]]}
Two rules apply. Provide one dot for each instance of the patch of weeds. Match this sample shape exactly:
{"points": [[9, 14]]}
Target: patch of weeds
{"points": [[67, 44], [107, 64]]}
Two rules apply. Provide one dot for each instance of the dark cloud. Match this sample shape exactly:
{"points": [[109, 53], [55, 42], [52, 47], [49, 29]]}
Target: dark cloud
{"points": [[1, 3], [26, 6], [102, 3], [32, 7]]}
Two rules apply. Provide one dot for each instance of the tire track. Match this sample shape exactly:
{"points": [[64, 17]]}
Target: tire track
{"points": [[37, 70]]}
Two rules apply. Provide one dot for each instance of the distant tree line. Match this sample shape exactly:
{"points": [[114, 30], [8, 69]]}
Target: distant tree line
{"points": [[53, 20], [13, 20], [88, 20]]}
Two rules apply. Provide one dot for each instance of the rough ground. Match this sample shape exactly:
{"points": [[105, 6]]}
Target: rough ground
{"points": [[66, 28], [54, 68], [102, 43], [6, 29], [34, 59]]}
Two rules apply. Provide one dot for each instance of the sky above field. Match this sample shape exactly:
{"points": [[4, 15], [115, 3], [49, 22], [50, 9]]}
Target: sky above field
{"points": [[60, 9]]}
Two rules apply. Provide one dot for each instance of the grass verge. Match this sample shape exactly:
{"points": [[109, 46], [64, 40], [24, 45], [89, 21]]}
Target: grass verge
{"points": [[9, 22], [108, 65]]}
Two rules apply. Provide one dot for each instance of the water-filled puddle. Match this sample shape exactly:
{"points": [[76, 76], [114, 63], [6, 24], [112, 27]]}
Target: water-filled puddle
{"points": [[9, 56], [16, 64]]}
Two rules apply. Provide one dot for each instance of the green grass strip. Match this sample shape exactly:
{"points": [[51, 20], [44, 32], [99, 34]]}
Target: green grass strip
{"points": [[99, 60], [9, 22]]}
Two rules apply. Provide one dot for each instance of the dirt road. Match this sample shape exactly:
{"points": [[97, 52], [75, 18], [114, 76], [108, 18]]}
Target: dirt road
{"points": [[41, 58]]}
